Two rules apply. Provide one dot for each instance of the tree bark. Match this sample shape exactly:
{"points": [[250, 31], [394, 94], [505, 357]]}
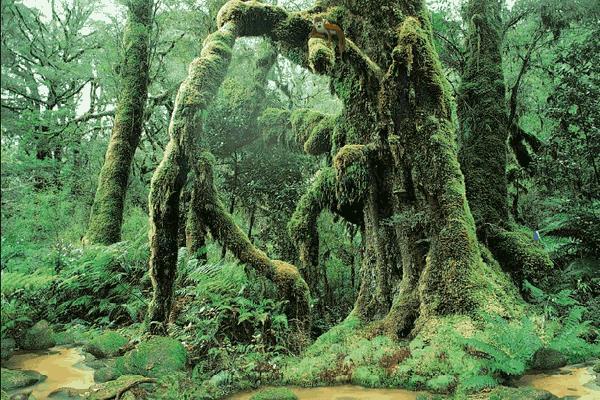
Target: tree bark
{"points": [[107, 211]]}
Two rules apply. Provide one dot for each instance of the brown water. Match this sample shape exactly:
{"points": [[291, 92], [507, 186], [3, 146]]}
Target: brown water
{"points": [[62, 366], [344, 392], [573, 380]]}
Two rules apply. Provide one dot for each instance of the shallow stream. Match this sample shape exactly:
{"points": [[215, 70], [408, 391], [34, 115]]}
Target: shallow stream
{"points": [[64, 367]]}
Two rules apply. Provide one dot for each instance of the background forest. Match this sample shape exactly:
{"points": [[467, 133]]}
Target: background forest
{"points": [[88, 93]]}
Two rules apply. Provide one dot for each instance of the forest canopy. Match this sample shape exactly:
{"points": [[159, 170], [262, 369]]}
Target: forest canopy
{"points": [[204, 197]]}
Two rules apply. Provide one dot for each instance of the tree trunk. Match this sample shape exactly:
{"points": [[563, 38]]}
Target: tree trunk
{"points": [[107, 211], [485, 131]]}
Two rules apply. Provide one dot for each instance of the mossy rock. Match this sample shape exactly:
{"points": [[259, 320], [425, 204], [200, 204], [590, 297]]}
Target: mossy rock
{"points": [[280, 393], [16, 379], [7, 347], [105, 374], [106, 345], [154, 358], [67, 394], [522, 393], [39, 337], [545, 359], [112, 389]]}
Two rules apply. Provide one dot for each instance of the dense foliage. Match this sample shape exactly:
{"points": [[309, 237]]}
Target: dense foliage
{"points": [[228, 326]]}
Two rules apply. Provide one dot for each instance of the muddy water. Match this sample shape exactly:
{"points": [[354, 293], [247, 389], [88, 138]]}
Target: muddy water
{"points": [[573, 380], [62, 366], [576, 380], [344, 392]]}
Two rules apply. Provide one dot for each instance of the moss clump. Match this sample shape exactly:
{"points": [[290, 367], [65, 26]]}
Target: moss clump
{"points": [[321, 55], [107, 344], [519, 255], [274, 123], [546, 358], [153, 358], [344, 355], [522, 393], [352, 173], [304, 121], [16, 379], [280, 393], [39, 337], [7, 347], [116, 388], [319, 140]]}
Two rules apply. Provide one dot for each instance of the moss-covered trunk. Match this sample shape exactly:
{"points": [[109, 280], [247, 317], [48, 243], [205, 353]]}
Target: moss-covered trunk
{"points": [[394, 168], [107, 211], [204, 78], [484, 125]]}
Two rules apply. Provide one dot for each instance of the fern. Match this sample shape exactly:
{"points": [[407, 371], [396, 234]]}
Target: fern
{"points": [[569, 339]]}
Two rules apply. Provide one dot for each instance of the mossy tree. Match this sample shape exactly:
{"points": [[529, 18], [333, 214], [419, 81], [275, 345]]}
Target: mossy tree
{"points": [[394, 164], [107, 211], [485, 128]]}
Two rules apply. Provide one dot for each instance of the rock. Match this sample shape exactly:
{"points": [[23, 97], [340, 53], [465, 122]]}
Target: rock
{"points": [[39, 337], [154, 358], [67, 394], [16, 379], [115, 388], [522, 393], [545, 359], [280, 393], [105, 345], [7, 347], [105, 374]]}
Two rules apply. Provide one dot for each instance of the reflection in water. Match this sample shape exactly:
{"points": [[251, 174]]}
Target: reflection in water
{"points": [[572, 380], [59, 365], [344, 392]]}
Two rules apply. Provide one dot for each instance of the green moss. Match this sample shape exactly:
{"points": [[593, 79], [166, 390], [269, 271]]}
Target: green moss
{"points": [[321, 55], [7, 347], [39, 337], [16, 379], [107, 211], [483, 115], [519, 254], [280, 393], [522, 393], [545, 359], [352, 173], [112, 389], [319, 140], [153, 358], [107, 344], [274, 124], [304, 121], [368, 376]]}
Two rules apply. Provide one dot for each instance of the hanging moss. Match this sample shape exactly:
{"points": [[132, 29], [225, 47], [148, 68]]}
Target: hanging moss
{"points": [[274, 123], [106, 215], [352, 173], [321, 55]]}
